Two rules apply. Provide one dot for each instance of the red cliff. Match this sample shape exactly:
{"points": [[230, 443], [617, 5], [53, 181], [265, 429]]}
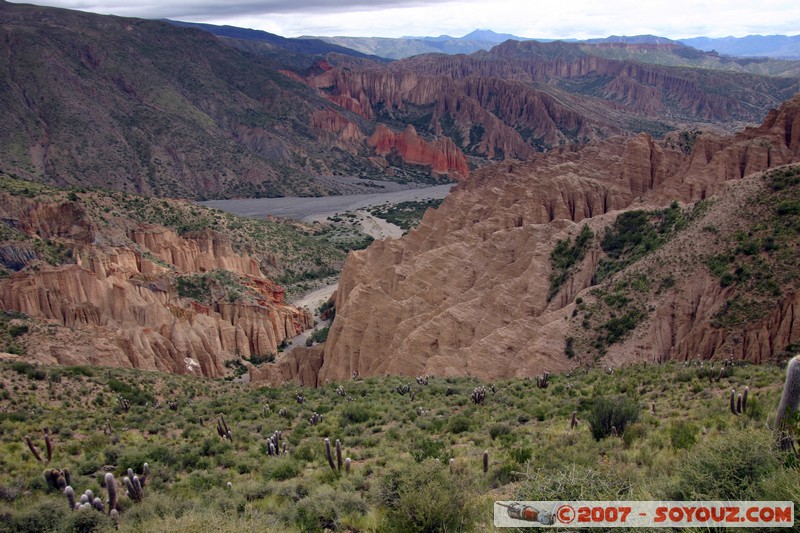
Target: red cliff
{"points": [[441, 154]]}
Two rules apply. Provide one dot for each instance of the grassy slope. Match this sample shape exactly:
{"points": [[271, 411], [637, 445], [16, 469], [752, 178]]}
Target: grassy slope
{"points": [[692, 447]]}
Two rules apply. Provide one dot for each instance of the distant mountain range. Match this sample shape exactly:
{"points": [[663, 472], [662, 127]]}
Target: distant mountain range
{"points": [[769, 46], [752, 46], [163, 109]]}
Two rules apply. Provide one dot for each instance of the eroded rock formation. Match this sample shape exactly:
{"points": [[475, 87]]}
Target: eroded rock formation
{"points": [[467, 291], [441, 155], [118, 303]]}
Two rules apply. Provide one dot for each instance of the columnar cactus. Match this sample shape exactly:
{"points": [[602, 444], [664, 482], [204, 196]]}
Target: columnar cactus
{"points": [[790, 401], [111, 487], [573, 421], [274, 444], [70, 494], [35, 451], [543, 381], [223, 430], [328, 454], [57, 479], [738, 403], [347, 462], [315, 419], [338, 455], [478, 395], [485, 461]]}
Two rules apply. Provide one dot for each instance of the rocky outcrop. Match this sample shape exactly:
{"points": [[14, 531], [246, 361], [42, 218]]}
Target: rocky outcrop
{"points": [[119, 305], [441, 154], [467, 291], [344, 130]]}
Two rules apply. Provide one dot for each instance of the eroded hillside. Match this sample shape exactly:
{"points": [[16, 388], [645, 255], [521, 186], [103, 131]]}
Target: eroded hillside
{"points": [[470, 291], [110, 279]]}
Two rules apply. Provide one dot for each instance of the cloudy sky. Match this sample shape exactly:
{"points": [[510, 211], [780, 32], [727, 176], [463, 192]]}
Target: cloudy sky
{"points": [[526, 18]]}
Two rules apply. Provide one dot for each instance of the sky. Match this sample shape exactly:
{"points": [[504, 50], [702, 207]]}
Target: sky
{"points": [[551, 19]]}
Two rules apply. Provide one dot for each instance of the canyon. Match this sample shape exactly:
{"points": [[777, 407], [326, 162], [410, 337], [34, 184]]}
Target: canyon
{"points": [[468, 292]]}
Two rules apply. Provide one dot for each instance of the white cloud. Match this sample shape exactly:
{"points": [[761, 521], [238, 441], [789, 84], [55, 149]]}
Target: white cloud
{"points": [[394, 18]]}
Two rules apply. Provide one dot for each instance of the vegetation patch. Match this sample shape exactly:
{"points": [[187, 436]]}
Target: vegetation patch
{"points": [[565, 256], [406, 215], [635, 234], [761, 263]]}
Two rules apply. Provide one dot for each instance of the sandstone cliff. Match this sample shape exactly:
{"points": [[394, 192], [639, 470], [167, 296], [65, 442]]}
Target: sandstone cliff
{"points": [[441, 154], [137, 295], [467, 292]]}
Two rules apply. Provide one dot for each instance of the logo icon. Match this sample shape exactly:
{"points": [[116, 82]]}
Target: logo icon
{"points": [[565, 514]]}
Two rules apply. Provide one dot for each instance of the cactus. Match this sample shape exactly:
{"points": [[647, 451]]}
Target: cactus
{"points": [[573, 421], [485, 461], [338, 455], [123, 404], [111, 486], [134, 488], [34, 450], [452, 465], [70, 494], [315, 419], [328, 454], [543, 381], [790, 401], [57, 479], [478, 395], [347, 462], [340, 391], [97, 503], [223, 430], [300, 399], [738, 402]]}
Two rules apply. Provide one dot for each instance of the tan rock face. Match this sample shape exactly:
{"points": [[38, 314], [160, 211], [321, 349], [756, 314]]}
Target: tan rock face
{"points": [[120, 303], [466, 292]]}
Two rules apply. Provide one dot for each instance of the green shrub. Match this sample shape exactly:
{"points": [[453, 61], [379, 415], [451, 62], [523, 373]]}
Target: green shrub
{"points": [[426, 497], [354, 413], [327, 509], [499, 429], [281, 468], [607, 414], [682, 435], [87, 521], [459, 424], [575, 482], [425, 448], [730, 466], [47, 515]]}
